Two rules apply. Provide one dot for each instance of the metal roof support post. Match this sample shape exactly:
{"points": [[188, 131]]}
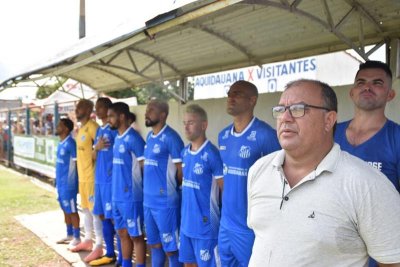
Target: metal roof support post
{"points": [[56, 117], [393, 56], [27, 121], [9, 156], [183, 85]]}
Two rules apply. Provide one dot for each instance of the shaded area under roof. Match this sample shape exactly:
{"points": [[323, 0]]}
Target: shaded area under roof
{"points": [[207, 36]]}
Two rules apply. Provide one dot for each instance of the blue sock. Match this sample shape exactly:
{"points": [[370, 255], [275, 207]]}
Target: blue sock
{"points": [[77, 232], [140, 265], [173, 260], [127, 263], [69, 230], [119, 259], [108, 234], [157, 257]]}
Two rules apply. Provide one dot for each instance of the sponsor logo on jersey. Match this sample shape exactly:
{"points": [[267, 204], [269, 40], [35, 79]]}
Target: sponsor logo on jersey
{"points": [[108, 206], [226, 134], [376, 165], [62, 152], [222, 147], [156, 149], [65, 203], [121, 149], [118, 161], [235, 171], [191, 184], [162, 138], [244, 152], [252, 136], [205, 255], [131, 223], [61, 161], [151, 162], [167, 237], [198, 169], [204, 157]]}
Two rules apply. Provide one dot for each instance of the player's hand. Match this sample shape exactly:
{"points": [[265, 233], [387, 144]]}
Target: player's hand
{"points": [[102, 143]]}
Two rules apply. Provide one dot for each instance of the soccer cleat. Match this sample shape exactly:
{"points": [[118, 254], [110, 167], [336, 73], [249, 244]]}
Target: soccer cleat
{"points": [[86, 245], [102, 261], [94, 255], [74, 242], [65, 240]]}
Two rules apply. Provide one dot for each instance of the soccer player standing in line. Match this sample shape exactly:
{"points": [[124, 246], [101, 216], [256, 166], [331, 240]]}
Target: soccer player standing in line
{"points": [[370, 135], [127, 185], [102, 153], [162, 177], [84, 142], [240, 145], [67, 181], [202, 181]]}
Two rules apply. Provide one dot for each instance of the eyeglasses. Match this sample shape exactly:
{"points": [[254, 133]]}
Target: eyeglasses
{"points": [[295, 110]]}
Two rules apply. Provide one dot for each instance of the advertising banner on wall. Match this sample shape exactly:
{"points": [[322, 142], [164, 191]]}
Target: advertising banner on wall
{"points": [[37, 153]]}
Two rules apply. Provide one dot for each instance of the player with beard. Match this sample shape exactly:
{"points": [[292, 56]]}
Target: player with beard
{"points": [[370, 135], [162, 177], [240, 145], [202, 181], [127, 185]]}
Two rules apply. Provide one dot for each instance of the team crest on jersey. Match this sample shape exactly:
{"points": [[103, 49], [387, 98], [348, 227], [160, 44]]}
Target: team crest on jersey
{"points": [[62, 152], [225, 169], [83, 137], [226, 135], [198, 169], [244, 152], [252, 136], [204, 157], [156, 149], [65, 203], [131, 223], [121, 149], [205, 255], [162, 138], [167, 237], [108, 206]]}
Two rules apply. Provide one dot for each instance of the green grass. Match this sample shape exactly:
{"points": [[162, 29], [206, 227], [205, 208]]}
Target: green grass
{"points": [[18, 246]]}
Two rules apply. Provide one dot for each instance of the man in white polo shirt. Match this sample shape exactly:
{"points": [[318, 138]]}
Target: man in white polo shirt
{"points": [[312, 204]]}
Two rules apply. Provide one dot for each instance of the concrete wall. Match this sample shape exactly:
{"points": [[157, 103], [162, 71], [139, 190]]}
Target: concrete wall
{"points": [[218, 118]]}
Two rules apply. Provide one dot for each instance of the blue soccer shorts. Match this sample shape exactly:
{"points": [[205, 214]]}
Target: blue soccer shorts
{"points": [[204, 252], [162, 226], [102, 200], [129, 215], [67, 201]]}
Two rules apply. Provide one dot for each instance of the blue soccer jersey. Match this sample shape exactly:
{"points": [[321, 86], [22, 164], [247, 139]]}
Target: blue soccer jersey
{"points": [[66, 172], [161, 153], [238, 152], [381, 151], [127, 182], [103, 172], [200, 192]]}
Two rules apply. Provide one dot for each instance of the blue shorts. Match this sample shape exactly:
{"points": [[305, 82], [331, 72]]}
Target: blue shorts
{"points": [[102, 200], [204, 252], [162, 226], [235, 248], [67, 201], [128, 215]]}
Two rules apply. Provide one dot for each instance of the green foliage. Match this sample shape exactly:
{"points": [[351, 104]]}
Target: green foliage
{"points": [[152, 90], [46, 90]]}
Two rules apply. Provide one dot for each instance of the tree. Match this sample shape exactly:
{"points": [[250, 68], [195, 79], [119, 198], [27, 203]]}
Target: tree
{"points": [[46, 90], [152, 90]]}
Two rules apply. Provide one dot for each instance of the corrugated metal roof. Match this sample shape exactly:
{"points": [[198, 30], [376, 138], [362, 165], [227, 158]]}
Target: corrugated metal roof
{"points": [[209, 36]]}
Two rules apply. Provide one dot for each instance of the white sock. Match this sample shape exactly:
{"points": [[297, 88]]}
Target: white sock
{"points": [[98, 230], [88, 224]]}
